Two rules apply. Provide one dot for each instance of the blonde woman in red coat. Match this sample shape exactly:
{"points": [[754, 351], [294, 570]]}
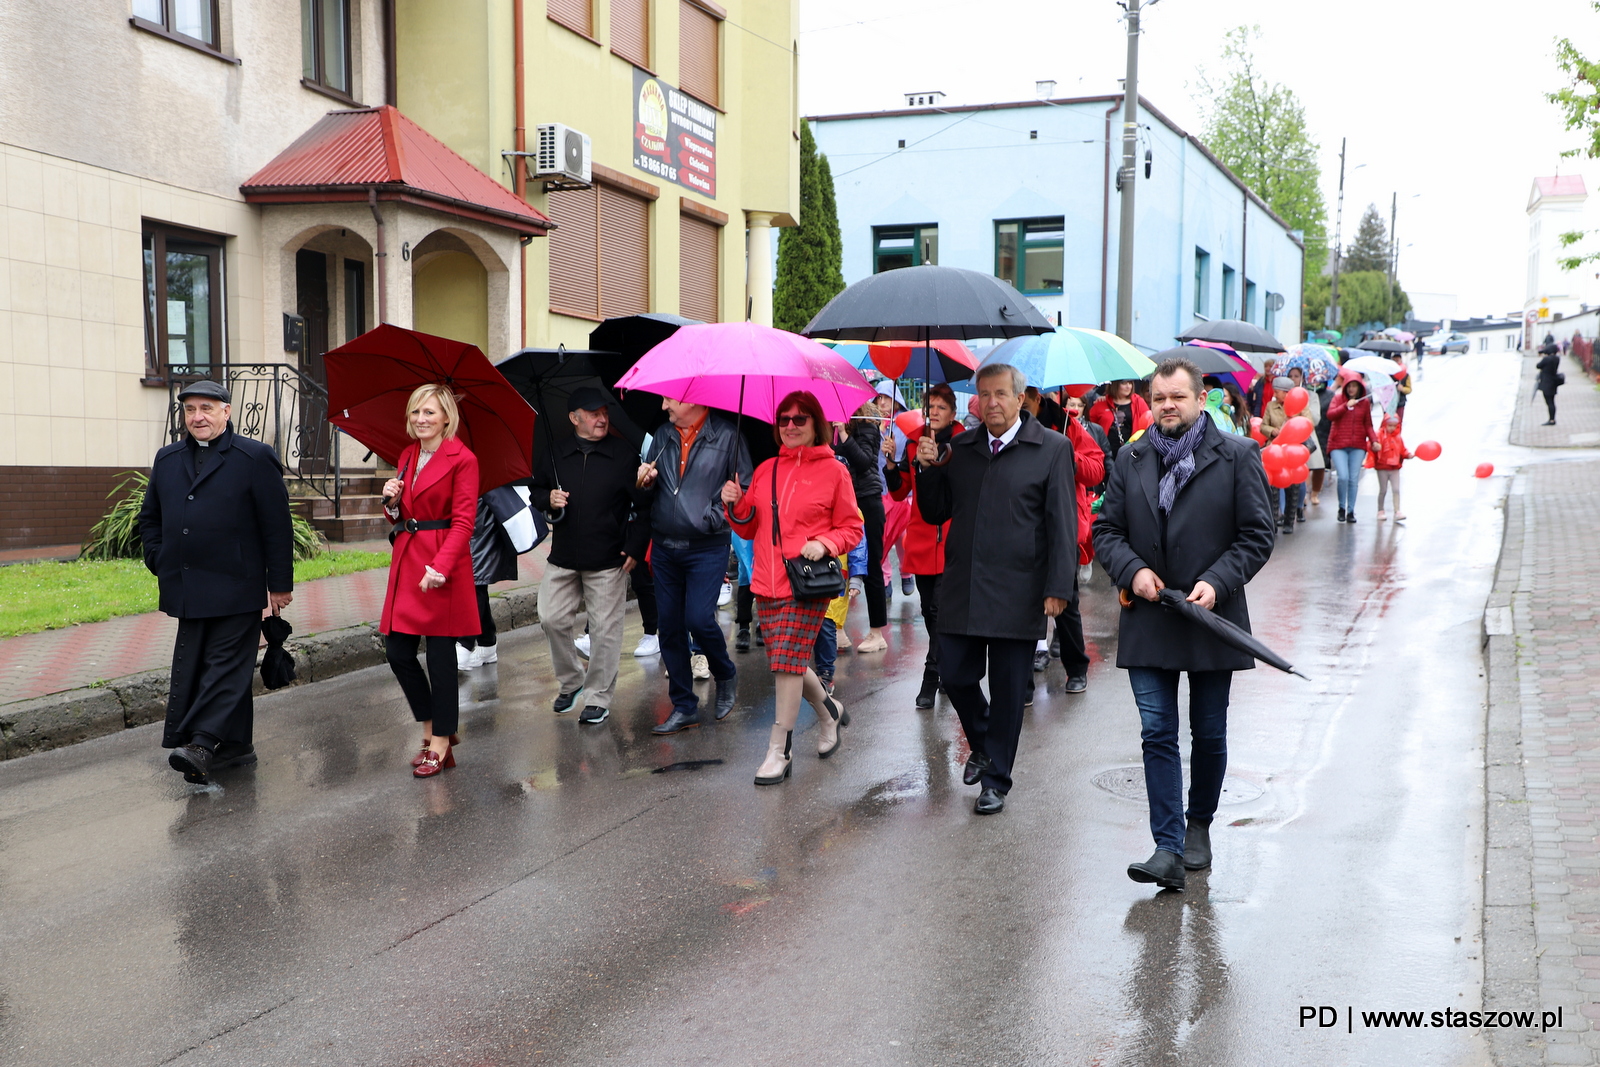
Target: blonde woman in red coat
{"points": [[433, 501], [817, 516]]}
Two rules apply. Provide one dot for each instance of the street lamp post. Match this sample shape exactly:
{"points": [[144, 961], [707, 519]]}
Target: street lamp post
{"points": [[1125, 175], [1338, 241]]}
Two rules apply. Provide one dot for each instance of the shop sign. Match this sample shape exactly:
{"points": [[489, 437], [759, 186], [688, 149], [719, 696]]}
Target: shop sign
{"points": [[674, 135]]}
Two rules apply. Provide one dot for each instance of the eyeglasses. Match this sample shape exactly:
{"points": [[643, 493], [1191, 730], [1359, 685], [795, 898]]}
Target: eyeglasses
{"points": [[794, 420]]}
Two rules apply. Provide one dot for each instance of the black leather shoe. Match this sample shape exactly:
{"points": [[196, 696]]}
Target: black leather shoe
{"points": [[976, 765], [1341, 515], [741, 640], [990, 802], [677, 721], [1163, 868], [1350, 516], [565, 701], [1197, 847], [929, 691], [193, 760], [1288, 527], [233, 754], [726, 689], [1077, 683], [1041, 659], [761, 642]]}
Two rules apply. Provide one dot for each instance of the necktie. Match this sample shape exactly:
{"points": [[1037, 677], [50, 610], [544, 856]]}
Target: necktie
{"points": [[995, 446]]}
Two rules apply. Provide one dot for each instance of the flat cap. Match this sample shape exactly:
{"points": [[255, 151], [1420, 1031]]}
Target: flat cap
{"points": [[209, 389], [586, 397]]}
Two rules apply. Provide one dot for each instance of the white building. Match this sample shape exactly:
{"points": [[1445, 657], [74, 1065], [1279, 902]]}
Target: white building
{"points": [[1557, 205]]}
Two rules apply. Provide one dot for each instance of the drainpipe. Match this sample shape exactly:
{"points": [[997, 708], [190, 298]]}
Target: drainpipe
{"points": [[521, 168], [1105, 216], [380, 256], [1244, 259], [391, 83]]}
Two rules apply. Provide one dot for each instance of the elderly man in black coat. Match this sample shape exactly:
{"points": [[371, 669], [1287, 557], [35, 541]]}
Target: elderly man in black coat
{"points": [[1187, 507], [1010, 561], [218, 535]]}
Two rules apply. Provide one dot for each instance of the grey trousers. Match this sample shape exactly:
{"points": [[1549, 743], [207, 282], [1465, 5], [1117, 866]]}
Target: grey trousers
{"points": [[605, 593]]}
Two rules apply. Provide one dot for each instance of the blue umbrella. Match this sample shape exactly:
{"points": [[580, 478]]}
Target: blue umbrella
{"points": [[1071, 356]]}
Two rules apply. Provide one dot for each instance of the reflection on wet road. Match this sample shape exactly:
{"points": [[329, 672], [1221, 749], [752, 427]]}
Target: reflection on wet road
{"points": [[583, 895]]}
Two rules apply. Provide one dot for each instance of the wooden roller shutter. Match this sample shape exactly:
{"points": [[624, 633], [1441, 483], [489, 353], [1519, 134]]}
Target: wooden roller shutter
{"points": [[630, 30], [699, 277], [624, 253], [697, 53], [575, 252], [573, 14]]}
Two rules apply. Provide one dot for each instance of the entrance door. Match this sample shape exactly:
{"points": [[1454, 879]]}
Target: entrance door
{"points": [[311, 291]]}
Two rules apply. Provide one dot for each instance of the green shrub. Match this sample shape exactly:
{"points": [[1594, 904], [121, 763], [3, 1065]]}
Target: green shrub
{"points": [[116, 535]]}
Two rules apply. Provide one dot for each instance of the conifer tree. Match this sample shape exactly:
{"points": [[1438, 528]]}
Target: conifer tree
{"points": [[810, 255]]}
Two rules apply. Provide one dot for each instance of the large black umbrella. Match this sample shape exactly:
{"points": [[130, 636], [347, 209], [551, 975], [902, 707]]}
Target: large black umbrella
{"points": [[547, 377], [1236, 333], [1209, 360], [634, 335], [1225, 631], [926, 303], [1383, 344]]}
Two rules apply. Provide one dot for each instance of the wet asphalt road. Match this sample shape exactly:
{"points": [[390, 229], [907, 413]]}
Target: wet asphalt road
{"points": [[583, 895]]}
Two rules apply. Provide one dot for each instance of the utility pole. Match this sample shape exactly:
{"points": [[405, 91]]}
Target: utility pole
{"points": [[1126, 174], [1394, 245], [1338, 245]]}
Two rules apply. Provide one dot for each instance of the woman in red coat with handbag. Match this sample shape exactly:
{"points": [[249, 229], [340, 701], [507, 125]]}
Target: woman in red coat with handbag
{"points": [[809, 495], [433, 501]]}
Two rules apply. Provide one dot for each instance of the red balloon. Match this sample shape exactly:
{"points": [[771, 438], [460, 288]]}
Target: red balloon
{"points": [[1279, 479], [1484, 470], [1272, 458], [909, 423], [1255, 431], [1295, 430], [1428, 450], [1295, 400], [1145, 421], [1296, 455], [1299, 474]]}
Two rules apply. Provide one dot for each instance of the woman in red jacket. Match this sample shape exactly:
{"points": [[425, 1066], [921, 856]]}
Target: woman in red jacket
{"points": [[924, 544], [1349, 436], [430, 572], [1119, 413], [817, 516]]}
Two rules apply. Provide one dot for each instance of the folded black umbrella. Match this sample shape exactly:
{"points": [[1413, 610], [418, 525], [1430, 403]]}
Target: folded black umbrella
{"points": [[1225, 631], [277, 665]]}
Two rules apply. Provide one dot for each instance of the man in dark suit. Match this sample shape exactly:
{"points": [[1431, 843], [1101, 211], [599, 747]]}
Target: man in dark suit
{"points": [[1187, 507], [218, 535], [1013, 481]]}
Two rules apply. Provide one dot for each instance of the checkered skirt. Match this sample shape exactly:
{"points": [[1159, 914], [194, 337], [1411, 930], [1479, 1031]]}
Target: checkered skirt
{"points": [[790, 627]]}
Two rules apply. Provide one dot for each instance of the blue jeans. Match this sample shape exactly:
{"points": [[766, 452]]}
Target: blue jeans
{"points": [[1155, 691], [826, 652], [688, 581], [1347, 468]]}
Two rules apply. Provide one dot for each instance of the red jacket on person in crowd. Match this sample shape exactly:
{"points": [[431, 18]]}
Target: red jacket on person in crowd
{"points": [[1089, 463], [1103, 413], [446, 488], [816, 502], [1388, 448], [923, 544], [1351, 424]]}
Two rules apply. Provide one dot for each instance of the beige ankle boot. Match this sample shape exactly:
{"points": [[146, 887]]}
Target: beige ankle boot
{"points": [[830, 716], [775, 768]]}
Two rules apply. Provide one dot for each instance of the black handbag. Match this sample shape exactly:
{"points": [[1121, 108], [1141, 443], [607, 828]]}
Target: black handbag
{"points": [[809, 579]]}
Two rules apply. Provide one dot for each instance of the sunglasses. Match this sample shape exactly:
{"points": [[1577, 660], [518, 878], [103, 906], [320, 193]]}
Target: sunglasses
{"points": [[794, 420]]}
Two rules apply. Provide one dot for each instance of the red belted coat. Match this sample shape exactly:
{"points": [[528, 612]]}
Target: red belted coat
{"points": [[816, 502], [447, 488], [924, 543]]}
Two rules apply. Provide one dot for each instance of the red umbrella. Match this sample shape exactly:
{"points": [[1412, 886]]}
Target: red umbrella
{"points": [[371, 378]]}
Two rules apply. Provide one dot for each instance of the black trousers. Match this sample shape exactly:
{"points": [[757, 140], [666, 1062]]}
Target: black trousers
{"points": [[744, 608], [877, 602], [1069, 630], [486, 637], [1550, 402], [928, 592], [992, 726], [436, 701], [209, 701], [644, 591]]}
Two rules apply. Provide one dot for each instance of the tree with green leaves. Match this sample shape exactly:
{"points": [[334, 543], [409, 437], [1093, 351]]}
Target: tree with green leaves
{"points": [[1258, 129], [1579, 102], [1364, 296], [1370, 249], [810, 255]]}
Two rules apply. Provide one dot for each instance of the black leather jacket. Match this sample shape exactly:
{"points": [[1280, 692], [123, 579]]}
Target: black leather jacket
{"points": [[688, 511]]}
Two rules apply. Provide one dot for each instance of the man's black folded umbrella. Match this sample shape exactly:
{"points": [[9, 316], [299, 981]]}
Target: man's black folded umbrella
{"points": [[1225, 631], [277, 665]]}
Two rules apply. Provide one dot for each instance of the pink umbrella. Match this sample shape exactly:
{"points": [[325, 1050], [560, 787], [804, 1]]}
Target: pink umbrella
{"points": [[1246, 372], [747, 368]]}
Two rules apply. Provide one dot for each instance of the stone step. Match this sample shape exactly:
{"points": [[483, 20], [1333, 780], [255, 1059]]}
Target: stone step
{"points": [[362, 504]]}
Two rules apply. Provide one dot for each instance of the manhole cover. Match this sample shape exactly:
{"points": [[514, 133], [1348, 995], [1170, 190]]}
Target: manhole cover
{"points": [[1128, 783]]}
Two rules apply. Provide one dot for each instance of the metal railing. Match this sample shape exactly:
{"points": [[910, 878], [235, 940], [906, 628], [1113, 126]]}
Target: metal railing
{"points": [[279, 405]]}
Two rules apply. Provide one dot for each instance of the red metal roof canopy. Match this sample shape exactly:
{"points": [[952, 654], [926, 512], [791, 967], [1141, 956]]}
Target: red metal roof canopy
{"points": [[348, 153]]}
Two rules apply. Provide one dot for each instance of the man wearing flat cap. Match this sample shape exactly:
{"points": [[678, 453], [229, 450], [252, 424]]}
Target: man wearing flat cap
{"points": [[598, 533], [218, 536]]}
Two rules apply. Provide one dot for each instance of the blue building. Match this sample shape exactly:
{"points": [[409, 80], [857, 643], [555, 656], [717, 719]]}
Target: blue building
{"points": [[1026, 191]]}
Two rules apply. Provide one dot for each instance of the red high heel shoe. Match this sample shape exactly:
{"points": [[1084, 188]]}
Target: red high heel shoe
{"points": [[434, 762], [416, 761]]}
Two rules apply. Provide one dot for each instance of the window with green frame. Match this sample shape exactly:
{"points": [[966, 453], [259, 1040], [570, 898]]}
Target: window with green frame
{"points": [[1028, 253], [903, 246]]}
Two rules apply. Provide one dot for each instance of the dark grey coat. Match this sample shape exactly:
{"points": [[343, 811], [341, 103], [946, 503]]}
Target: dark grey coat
{"points": [[1013, 533], [1220, 532]]}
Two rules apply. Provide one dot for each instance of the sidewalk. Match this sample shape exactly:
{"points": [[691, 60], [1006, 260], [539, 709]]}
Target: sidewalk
{"points": [[52, 661], [1577, 409]]}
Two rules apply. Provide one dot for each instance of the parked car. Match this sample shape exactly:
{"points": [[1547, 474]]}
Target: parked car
{"points": [[1444, 343]]}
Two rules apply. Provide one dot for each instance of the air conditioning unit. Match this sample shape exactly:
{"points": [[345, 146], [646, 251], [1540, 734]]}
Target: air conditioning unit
{"points": [[562, 155]]}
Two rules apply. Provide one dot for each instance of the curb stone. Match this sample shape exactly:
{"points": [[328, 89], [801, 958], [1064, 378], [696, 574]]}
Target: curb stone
{"points": [[66, 718]]}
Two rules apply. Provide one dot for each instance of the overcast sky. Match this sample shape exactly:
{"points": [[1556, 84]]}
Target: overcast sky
{"points": [[1439, 98]]}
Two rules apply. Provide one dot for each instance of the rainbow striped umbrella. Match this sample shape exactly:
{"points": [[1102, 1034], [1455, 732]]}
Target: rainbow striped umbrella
{"points": [[1072, 355]]}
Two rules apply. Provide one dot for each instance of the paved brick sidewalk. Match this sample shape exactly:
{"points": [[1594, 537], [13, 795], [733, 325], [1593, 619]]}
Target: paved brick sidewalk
{"points": [[1553, 575], [34, 665], [1577, 409]]}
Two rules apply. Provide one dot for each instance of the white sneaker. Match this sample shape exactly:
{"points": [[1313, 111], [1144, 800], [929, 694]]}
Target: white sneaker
{"points": [[1085, 572], [649, 645], [485, 654], [464, 658], [725, 597], [582, 645], [700, 666]]}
